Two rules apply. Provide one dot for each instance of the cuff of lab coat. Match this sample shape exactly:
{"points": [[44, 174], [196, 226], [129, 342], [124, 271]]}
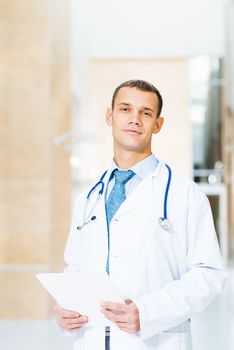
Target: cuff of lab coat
{"points": [[148, 326]]}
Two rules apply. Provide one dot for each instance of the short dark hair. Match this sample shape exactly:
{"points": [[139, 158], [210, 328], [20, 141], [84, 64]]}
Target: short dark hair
{"points": [[143, 86]]}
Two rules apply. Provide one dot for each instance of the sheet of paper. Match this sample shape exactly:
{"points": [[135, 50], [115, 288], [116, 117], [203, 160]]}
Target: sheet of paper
{"points": [[81, 292]]}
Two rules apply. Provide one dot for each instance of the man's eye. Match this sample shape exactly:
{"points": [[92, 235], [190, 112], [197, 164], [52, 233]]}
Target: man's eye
{"points": [[147, 114], [124, 109]]}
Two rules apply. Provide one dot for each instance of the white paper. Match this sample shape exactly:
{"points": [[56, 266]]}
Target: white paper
{"points": [[82, 292]]}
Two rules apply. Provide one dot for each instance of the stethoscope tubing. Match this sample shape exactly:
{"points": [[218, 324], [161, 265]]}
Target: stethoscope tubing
{"points": [[100, 182], [163, 221], [166, 194]]}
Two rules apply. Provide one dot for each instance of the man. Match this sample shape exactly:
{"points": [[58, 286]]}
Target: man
{"points": [[166, 268]]}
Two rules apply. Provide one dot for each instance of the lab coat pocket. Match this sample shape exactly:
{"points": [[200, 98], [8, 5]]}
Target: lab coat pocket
{"points": [[174, 341]]}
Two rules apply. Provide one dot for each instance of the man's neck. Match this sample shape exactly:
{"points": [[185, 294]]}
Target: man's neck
{"points": [[126, 160]]}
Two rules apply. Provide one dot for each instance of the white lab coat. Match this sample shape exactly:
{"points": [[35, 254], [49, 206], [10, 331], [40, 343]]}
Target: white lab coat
{"points": [[169, 275]]}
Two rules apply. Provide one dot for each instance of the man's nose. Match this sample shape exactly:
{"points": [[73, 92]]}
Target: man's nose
{"points": [[135, 117]]}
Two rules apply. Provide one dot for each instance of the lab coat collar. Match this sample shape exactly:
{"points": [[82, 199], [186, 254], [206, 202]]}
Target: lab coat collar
{"points": [[145, 191], [143, 168]]}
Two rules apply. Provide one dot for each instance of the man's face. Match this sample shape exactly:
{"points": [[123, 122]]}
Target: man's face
{"points": [[133, 120]]}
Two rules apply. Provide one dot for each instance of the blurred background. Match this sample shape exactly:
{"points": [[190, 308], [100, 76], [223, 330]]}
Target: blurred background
{"points": [[60, 61]]}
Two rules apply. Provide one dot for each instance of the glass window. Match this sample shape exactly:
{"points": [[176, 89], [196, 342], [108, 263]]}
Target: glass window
{"points": [[205, 79]]}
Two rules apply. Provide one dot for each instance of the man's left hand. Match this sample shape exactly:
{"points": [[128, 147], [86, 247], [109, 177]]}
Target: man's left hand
{"points": [[125, 316]]}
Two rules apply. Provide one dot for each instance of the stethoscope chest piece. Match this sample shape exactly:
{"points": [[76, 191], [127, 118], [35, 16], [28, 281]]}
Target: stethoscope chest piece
{"points": [[164, 224]]}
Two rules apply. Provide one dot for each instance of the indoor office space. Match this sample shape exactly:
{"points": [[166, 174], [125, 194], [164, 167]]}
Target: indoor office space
{"points": [[60, 61]]}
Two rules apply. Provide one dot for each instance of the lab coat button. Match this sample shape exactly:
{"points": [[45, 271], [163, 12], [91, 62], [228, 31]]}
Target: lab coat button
{"points": [[116, 219]]}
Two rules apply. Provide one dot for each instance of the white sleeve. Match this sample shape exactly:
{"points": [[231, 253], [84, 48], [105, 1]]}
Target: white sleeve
{"points": [[180, 299], [71, 252], [70, 255]]}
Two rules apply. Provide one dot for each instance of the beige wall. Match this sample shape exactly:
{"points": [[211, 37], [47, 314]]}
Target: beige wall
{"points": [[172, 144], [34, 175]]}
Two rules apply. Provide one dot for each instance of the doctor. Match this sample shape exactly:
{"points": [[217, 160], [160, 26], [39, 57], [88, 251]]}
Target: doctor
{"points": [[151, 230]]}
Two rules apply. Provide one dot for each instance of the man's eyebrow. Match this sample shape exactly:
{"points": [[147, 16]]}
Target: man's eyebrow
{"points": [[124, 103], [149, 109], [144, 107]]}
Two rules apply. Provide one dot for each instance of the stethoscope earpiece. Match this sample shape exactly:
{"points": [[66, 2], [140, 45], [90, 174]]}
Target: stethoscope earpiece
{"points": [[86, 222]]}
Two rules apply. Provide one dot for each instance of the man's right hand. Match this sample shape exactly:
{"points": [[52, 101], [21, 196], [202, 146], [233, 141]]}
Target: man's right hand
{"points": [[70, 321]]}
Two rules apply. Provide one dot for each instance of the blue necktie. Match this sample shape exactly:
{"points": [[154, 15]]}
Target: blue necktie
{"points": [[116, 198], [117, 195]]}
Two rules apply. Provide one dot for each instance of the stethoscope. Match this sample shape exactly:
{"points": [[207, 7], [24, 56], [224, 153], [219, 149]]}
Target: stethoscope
{"points": [[163, 221], [86, 221]]}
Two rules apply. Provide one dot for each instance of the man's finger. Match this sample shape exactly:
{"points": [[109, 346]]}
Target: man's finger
{"points": [[63, 313], [126, 329], [74, 324], [69, 314], [76, 320], [74, 330], [69, 327], [115, 317], [114, 306]]}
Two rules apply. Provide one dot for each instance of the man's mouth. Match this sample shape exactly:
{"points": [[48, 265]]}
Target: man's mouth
{"points": [[132, 131]]}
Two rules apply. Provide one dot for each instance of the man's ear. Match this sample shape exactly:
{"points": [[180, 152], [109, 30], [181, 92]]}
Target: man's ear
{"points": [[109, 116], [158, 124]]}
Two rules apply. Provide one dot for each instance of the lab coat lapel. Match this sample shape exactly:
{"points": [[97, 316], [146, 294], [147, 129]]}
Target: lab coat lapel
{"points": [[144, 192]]}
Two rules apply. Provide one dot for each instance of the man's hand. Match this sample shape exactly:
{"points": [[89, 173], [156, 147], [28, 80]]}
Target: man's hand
{"points": [[70, 321], [125, 316]]}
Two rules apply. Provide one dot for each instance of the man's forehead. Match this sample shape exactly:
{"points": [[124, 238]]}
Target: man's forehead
{"points": [[133, 96]]}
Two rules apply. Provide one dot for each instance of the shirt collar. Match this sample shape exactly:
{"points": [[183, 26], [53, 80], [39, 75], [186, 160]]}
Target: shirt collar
{"points": [[142, 168]]}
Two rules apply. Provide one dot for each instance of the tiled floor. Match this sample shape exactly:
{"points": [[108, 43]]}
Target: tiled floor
{"points": [[212, 330]]}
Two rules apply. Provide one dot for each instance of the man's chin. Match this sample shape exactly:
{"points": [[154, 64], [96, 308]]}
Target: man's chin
{"points": [[134, 148]]}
